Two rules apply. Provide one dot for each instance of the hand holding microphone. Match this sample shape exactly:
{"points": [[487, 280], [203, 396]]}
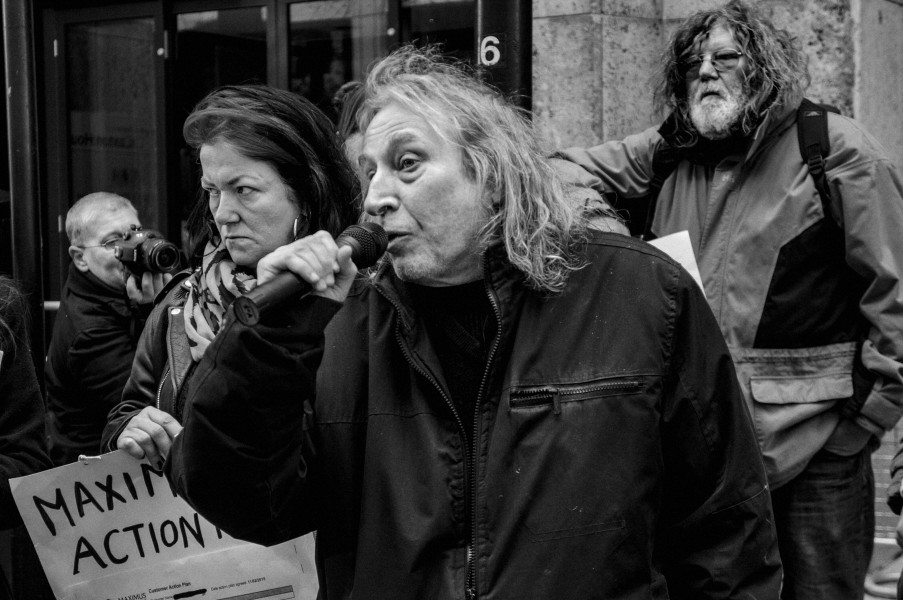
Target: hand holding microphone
{"points": [[367, 241]]}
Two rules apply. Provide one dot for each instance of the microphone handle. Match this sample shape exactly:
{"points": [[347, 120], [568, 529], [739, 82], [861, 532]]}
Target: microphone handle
{"points": [[368, 241], [279, 288]]}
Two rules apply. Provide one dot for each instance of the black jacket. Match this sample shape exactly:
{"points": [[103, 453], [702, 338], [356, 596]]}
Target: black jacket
{"points": [[161, 366], [89, 360], [23, 449], [613, 453]]}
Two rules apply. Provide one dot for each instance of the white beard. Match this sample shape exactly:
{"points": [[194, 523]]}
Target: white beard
{"points": [[715, 116]]}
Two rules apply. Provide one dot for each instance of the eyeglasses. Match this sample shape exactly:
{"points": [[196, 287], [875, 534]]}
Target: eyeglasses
{"points": [[722, 60], [107, 245], [110, 244]]}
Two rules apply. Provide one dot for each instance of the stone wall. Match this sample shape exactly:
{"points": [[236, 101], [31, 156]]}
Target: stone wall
{"points": [[878, 72], [593, 61]]}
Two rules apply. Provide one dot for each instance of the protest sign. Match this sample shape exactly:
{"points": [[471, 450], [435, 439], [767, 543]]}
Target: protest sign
{"points": [[110, 528]]}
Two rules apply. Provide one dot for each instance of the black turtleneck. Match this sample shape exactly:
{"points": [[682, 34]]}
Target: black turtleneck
{"points": [[457, 320]]}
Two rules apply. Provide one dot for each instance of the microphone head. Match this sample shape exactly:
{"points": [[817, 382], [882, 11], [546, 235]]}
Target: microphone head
{"points": [[368, 242]]}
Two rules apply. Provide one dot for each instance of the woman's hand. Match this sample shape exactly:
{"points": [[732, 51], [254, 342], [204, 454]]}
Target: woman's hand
{"points": [[149, 434], [317, 260]]}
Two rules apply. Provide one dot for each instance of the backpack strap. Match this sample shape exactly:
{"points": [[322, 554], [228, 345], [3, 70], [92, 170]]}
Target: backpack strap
{"points": [[812, 133]]}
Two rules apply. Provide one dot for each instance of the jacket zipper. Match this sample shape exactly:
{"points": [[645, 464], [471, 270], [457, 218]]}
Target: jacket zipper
{"points": [[541, 396], [470, 589], [160, 387], [428, 377], [471, 586]]}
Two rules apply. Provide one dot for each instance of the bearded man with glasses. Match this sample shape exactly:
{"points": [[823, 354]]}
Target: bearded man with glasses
{"points": [[102, 313], [805, 285]]}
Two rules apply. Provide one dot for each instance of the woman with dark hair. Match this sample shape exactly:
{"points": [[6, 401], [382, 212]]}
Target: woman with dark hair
{"points": [[23, 449], [272, 171]]}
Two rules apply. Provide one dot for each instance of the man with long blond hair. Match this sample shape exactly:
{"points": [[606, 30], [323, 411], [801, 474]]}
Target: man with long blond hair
{"points": [[513, 405], [801, 262]]}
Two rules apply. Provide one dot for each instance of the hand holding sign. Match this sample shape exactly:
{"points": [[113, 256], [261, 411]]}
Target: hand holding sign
{"points": [[149, 435]]}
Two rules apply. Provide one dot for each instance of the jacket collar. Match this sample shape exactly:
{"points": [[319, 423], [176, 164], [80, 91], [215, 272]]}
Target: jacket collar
{"points": [[506, 295], [89, 287], [778, 117]]}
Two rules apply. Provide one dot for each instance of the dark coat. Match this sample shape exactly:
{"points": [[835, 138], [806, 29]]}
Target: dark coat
{"points": [[162, 363], [613, 455], [23, 449], [89, 360]]}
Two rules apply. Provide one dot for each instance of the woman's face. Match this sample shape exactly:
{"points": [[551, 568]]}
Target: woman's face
{"points": [[252, 207]]}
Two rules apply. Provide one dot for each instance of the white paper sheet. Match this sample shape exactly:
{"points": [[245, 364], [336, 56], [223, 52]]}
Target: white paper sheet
{"points": [[110, 528], [678, 246]]}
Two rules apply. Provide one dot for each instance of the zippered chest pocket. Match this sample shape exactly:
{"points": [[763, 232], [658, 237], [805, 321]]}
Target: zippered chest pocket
{"points": [[555, 396], [569, 449]]}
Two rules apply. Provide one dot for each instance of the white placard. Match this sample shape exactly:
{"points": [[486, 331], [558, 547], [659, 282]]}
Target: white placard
{"points": [[110, 528]]}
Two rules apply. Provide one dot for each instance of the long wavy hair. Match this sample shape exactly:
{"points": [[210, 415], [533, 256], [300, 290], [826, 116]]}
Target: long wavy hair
{"points": [[292, 135], [776, 72], [525, 200]]}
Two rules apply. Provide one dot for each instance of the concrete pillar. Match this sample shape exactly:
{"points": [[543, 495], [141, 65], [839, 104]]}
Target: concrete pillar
{"points": [[824, 29], [591, 66], [593, 62], [878, 85]]}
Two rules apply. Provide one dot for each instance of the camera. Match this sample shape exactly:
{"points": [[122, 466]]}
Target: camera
{"points": [[142, 251]]}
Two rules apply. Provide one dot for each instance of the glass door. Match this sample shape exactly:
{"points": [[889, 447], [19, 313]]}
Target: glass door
{"points": [[104, 85], [331, 42], [216, 43], [320, 49], [111, 93], [449, 23]]}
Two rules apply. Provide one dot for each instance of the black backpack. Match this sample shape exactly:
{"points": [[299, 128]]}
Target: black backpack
{"points": [[812, 133]]}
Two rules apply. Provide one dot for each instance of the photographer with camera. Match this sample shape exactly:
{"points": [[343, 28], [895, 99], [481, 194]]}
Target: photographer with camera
{"points": [[117, 269]]}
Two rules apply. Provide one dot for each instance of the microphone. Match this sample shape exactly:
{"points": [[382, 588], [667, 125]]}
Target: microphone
{"points": [[368, 242]]}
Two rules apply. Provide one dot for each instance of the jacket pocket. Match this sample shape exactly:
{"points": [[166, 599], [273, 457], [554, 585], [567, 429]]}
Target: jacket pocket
{"points": [[571, 445], [801, 390], [792, 394], [555, 395]]}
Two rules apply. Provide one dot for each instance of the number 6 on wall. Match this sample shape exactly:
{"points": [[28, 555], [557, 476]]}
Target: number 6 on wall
{"points": [[489, 51]]}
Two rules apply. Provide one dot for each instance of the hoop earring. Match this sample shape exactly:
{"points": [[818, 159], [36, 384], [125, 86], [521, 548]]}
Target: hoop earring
{"points": [[301, 225]]}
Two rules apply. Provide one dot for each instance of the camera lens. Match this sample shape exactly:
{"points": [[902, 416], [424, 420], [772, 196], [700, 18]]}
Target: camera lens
{"points": [[163, 257]]}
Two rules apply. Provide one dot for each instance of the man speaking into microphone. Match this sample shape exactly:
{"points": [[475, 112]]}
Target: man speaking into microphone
{"points": [[513, 405]]}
